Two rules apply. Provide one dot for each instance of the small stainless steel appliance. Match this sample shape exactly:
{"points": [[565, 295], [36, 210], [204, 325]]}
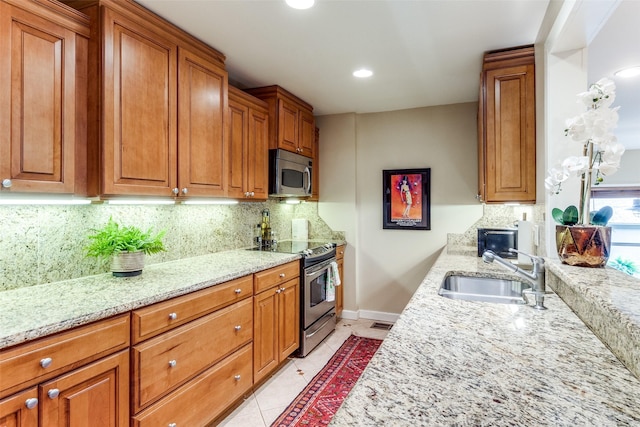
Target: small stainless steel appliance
{"points": [[289, 174], [498, 240], [317, 308]]}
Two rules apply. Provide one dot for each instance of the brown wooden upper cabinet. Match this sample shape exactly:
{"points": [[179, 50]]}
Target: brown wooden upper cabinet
{"points": [[506, 127], [291, 122], [43, 59], [248, 146], [157, 110]]}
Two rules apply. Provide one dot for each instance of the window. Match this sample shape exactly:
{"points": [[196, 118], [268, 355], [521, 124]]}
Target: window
{"points": [[625, 226]]}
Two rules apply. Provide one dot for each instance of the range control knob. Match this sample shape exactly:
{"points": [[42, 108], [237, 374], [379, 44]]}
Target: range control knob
{"points": [[307, 252]]}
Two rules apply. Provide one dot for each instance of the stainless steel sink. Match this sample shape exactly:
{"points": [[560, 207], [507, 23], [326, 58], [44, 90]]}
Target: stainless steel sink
{"points": [[485, 289]]}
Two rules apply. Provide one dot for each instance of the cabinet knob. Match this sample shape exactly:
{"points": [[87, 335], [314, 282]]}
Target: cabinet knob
{"points": [[252, 194], [31, 403], [282, 289], [172, 425], [53, 393], [6, 183], [237, 377], [46, 362], [175, 191], [238, 327], [173, 316], [185, 190], [282, 274], [246, 194], [278, 291], [238, 291], [172, 363]]}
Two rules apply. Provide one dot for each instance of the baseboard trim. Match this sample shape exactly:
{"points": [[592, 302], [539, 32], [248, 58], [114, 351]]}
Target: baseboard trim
{"points": [[370, 315]]}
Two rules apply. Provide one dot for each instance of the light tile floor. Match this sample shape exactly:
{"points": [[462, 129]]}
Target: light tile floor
{"points": [[263, 406]]}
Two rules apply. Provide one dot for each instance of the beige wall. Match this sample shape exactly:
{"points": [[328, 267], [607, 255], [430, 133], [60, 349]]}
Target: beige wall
{"points": [[386, 266]]}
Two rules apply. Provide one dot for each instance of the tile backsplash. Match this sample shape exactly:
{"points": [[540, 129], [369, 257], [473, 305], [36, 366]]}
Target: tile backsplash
{"points": [[43, 244]]}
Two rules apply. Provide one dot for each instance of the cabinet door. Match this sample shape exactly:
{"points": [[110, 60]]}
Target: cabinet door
{"points": [[258, 154], [139, 109], [96, 392], [307, 134], [202, 106], [38, 105], [238, 139], [288, 319], [265, 333], [510, 163], [340, 289], [288, 126], [20, 410]]}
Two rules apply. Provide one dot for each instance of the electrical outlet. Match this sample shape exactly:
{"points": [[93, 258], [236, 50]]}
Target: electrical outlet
{"points": [[536, 235]]}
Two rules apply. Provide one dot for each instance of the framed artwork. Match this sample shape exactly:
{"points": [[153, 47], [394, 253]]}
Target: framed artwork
{"points": [[405, 199]]}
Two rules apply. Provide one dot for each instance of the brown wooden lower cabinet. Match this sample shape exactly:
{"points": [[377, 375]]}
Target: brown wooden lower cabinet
{"points": [[276, 327], [340, 289], [20, 409], [99, 391], [204, 398], [202, 352], [168, 360]]}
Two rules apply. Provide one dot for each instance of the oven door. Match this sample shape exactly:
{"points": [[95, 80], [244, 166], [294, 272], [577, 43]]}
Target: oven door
{"points": [[316, 301]]}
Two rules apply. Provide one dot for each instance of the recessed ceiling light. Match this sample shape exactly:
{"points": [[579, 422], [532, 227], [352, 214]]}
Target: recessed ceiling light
{"points": [[300, 4], [629, 72], [362, 73]]}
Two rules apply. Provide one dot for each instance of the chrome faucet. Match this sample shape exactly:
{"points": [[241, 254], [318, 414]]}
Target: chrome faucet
{"points": [[535, 277]]}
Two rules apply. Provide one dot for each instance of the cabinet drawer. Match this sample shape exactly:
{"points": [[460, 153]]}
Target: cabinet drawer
{"points": [[276, 275], [164, 362], [151, 321], [38, 360], [205, 397]]}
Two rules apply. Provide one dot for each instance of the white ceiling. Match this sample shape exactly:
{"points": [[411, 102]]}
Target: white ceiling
{"points": [[422, 52]]}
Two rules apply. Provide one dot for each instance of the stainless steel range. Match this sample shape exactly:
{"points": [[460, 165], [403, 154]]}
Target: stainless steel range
{"points": [[317, 306]]}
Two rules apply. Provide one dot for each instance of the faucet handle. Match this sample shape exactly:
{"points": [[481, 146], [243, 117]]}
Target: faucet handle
{"points": [[538, 260]]}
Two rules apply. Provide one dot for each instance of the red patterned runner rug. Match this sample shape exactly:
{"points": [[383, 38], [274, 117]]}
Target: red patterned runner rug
{"points": [[321, 398]]}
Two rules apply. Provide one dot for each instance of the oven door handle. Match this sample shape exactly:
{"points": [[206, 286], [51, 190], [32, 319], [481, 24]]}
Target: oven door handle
{"points": [[316, 274], [323, 325], [319, 269]]}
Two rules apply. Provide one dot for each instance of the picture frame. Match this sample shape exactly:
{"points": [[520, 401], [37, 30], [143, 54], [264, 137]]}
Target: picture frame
{"points": [[406, 201]]}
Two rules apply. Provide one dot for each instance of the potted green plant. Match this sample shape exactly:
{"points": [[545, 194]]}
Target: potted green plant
{"points": [[583, 238], [125, 245]]}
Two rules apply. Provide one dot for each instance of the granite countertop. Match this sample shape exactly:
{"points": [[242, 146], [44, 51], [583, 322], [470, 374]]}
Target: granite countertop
{"points": [[36, 311], [451, 362]]}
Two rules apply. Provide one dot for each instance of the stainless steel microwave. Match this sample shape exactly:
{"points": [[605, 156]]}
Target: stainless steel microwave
{"points": [[289, 174], [499, 240]]}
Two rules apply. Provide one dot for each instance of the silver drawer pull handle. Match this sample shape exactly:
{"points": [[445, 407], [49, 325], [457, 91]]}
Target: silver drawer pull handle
{"points": [[173, 316], [237, 377], [31, 403], [172, 363], [281, 274], [238, 327], [46, 362], [238, 291], [53, 393]]}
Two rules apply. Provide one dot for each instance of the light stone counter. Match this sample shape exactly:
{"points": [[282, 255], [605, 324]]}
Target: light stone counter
{"points": [[36, 311], [449, 362]]}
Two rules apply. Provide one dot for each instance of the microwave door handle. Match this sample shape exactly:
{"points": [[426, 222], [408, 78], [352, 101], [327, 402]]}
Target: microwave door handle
{"points": [[308, 173]]}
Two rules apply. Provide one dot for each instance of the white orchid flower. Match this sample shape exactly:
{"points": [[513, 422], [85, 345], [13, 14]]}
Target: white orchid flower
{"points": [[576, 164]]}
